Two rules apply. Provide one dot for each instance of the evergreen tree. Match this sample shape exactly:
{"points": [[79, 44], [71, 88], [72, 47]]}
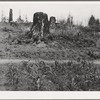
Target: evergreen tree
{"points": [[71, 20], [97, 22], [91, 21], [10, 15]]}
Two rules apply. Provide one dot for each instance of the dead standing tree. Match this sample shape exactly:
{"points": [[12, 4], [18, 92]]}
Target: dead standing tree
{"points": [[10, 15], [40, 26]]}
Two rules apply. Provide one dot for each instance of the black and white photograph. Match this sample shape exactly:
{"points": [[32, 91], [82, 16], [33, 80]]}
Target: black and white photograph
{"points": [[49, 46]]}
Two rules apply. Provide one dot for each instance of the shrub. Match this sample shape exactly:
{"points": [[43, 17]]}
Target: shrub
{"points": [[21, 77], [5, 29]]}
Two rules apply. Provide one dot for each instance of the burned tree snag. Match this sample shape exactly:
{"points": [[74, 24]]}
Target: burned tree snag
{"points": [[10, 15], [40, 25]]}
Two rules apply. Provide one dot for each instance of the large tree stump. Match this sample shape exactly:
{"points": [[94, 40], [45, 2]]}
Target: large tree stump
{"points": [[40, 25], [52, 24]]}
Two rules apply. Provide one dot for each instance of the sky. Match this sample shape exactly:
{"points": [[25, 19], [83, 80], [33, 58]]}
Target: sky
{"points": [[81, 11]]}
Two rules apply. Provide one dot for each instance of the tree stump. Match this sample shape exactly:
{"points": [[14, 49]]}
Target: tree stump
{"points": [[40, 26], [52, 24]]}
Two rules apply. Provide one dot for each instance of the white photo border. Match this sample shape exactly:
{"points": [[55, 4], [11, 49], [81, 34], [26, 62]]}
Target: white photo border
{"points": [[53, 94]]}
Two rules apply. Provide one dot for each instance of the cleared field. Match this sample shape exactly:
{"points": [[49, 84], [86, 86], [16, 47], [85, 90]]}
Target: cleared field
{"points": [[65, 61]]}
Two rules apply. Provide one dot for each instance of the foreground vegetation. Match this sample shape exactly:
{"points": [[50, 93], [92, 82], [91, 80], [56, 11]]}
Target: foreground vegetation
{"points": [[41, 76]]}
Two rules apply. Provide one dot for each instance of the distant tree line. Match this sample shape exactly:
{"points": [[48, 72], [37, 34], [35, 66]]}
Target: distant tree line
{"points": [[94, 23], [10, 18]]}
